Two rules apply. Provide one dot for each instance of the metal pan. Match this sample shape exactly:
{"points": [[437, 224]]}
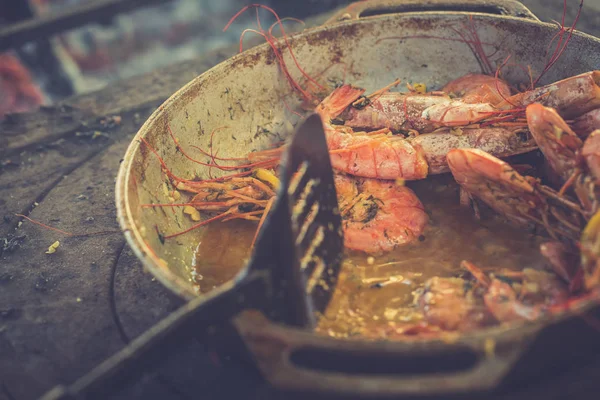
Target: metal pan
{"points": [[245, 93]]}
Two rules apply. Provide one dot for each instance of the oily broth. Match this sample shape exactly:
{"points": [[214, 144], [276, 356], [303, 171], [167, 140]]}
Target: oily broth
{"points": [[374, 292], [222, 252]]}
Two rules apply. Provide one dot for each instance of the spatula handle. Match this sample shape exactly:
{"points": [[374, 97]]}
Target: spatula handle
{"points": [[195, 319], [372, 8]]}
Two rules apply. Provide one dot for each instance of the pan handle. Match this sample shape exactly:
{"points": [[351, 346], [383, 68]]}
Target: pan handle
{"points": [[196, 319], [302, 361], [362, 9]]}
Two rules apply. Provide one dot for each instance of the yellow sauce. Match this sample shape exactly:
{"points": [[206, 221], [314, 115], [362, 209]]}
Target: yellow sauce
{"points": [[374, 292]]}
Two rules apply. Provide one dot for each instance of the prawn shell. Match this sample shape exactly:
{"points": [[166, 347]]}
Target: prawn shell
{"points": [[395, 111], [555, 139], [451, 304], [400, 217], [571, 97], [478, 88], [493, 181], [591, 153], [587, 123], [499, 142], [380, 158]]}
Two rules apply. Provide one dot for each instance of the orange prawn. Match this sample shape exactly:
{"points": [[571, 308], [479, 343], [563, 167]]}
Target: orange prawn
{"points": [[378, 216], [383, 156], [451, 304], [420, 112], [478, 88]]}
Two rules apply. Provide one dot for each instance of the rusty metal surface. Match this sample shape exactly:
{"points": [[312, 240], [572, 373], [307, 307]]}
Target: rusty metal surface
{"points": [[245, 93]]}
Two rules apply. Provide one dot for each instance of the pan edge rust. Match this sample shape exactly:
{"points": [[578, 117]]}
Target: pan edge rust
{"points": [[278, 368]]}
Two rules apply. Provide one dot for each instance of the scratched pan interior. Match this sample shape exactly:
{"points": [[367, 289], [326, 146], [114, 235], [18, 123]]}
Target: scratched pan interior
{"points": [[245, 93]]}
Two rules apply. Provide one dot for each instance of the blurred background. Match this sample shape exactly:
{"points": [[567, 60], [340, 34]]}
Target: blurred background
{"points": [[117, 39], [148, 35]]}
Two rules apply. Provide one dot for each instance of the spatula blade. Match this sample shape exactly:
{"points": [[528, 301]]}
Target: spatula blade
{"points": [[315, 216], [301, 243]]}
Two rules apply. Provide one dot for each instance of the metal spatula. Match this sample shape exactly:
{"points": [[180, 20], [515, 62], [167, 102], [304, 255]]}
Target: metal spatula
{"points": [[290, 278], [301, 246]]}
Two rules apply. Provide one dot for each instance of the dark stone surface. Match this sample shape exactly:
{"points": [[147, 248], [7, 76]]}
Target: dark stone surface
{"points": [[62, 314]]}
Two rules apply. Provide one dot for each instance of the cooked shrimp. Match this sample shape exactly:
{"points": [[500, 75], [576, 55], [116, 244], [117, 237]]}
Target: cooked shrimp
{"points": [[564, 262], [576, 162], [571, 97], [591, 153], [587, 123], [541, 287], [499, 297], [522, 200], [500, 142], [478, 88], [421, 112], [495, 182], [427, 112], [590, 256], [501, 300], [377, 215], [587, 174], [388, 157], [451, 304], [384, 156], [555, 139], [394, 111], [519, 295]]}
